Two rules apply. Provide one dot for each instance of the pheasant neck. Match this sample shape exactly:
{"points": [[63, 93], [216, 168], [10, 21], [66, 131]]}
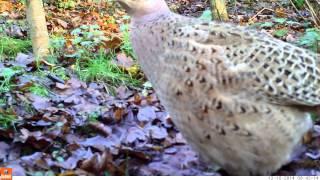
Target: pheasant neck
{"points": [[137, 20]]}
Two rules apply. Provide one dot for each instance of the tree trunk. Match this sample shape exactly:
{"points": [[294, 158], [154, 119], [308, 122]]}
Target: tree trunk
{"points": [[219, 10], [38, 28]]}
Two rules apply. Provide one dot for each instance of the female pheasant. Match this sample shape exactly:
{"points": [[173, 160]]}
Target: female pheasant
{"points": [[238, 96]]}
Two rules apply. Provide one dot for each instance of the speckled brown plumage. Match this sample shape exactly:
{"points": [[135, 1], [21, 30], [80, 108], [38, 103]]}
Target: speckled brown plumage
{"points": [[237, 95]]}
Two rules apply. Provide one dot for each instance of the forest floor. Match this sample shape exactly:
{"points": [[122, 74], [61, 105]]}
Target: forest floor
{"points": [[88, 109]]}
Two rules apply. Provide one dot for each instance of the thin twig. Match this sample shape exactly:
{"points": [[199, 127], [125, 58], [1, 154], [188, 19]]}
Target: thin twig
{"points": [[313, 13], [259, 12]]}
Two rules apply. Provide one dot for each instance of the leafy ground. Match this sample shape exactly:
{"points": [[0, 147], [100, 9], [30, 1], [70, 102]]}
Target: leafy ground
{"points": [[88, 109]]}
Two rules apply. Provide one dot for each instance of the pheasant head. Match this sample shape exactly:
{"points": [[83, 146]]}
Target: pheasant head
{"points": [[139, 8]]}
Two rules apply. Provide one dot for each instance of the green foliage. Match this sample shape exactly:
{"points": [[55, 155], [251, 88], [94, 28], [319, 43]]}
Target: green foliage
{"points": [[206, 15], [314, 116], [7, 118], [66, 4], [87, 38], [6, 75], [146, 86], [101, 68], [311, 39], [61, 73], [92, 64], [126, 45], [57, 49], [10, 47], [280, 33], [93, 117], [3, 102], [279, 20], [299, 3], [23, 1], [275, 22], [39, 90], [266, 24], [57, 45]]}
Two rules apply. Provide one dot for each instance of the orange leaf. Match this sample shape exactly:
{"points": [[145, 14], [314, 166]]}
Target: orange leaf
{"points": [[280, 12], [137, 99], [118, 114], [5, 6]]}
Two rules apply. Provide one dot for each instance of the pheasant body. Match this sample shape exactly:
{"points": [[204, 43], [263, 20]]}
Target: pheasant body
{"points": [[233, 92]]}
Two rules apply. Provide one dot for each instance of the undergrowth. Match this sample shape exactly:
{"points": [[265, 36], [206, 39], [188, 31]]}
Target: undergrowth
{"points": [[92, 61], [311, 39], [10, 47], [126, 45], [7, 118], [312, 6], [39, 90], [101, 69], [6, 75]]}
